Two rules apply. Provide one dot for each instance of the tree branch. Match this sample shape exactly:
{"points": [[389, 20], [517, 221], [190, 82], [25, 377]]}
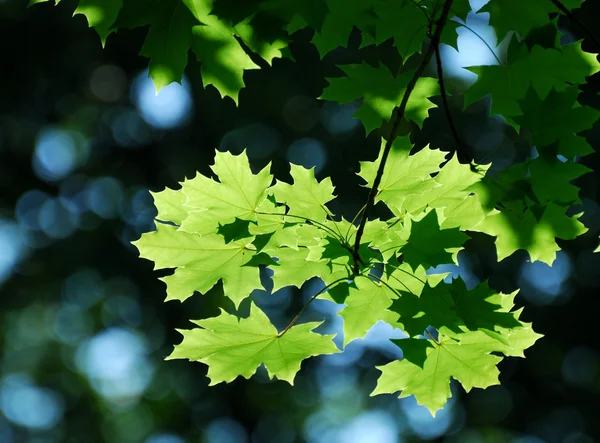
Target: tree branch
{"points": [[572, 17], [397, 116]]}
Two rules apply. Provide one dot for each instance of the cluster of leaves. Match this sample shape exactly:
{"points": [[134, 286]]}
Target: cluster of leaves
{"points": [[226, 230]]}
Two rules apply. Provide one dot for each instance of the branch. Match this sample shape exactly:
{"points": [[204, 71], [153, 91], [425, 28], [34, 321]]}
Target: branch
{"points": [[397, 116], [572, 17], [440, 72]]}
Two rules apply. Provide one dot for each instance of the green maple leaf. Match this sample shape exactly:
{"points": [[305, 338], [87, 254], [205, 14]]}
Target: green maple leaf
{"points": [[100, 14], [306, 197], [404, 175], [409, 37], [404, 279], [427, 244], [168, 42], [453, 309], [426, 369], [516, 231], [381, 92], [343, 15], [514, 343], [257, 33], [508, 15], [367, 303], [170, 204], [557, 115], [551, 179], [541, 69], [201, 261], [309, 12], [384, 236], [556, 68], [233, 347], [293, 268], [506, 83], [452, 194], [238, 194], [223, 59]]}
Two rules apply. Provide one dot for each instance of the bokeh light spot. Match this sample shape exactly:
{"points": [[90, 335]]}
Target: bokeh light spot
{"points": [[225, 430], [28, 405], [12, 248], [546, 281], [115, 362], [339, 119], [371, 427], [58, 153], [307, 152], [172, 107], [103, 196], [57, 221]]}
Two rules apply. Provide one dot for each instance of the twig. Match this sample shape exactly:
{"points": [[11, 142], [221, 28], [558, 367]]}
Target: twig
{"points": [[464, 25], [572, 17], [438, 59], [397, 116]]}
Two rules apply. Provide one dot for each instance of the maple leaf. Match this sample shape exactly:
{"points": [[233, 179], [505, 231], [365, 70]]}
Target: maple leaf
{"points": [[238, 194], [168, 42], [551, 179], [341, 18], [408, 38], [216, 47], [306, 197], [453, 309], [233, 347], [223, 59], [309, 12], [542, 69], [170, 204], [380, 92], [201, 261], [507, 15], [100, 14], [293, 268], [427, 244], [460, 207], [367, 302], [557, 115], [404, 175], [384, 236], [426, 369], [514, 231]]}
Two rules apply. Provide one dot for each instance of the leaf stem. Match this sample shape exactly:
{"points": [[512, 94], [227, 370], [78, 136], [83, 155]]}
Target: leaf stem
{"points": [[397, 116], [347, 237], [431, 337], [307, 304], [464, 25], [314, 222], [395, 291], [438, 59]]}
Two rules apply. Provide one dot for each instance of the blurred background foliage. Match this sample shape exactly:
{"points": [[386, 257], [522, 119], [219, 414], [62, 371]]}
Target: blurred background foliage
{"points": [[83, 326]]}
